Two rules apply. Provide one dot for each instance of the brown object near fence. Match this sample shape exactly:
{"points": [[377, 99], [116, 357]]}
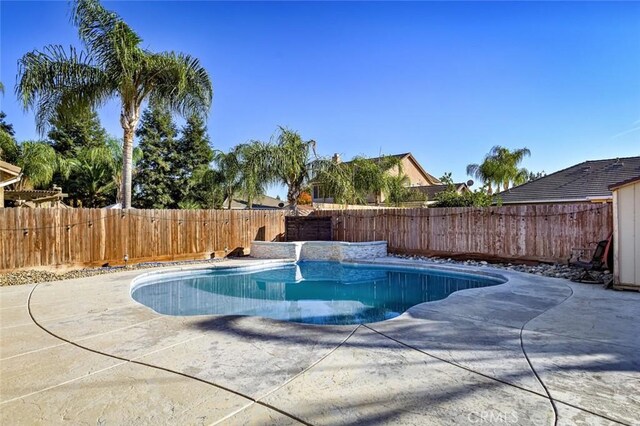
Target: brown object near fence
{"points": [[32, 238], [544, 232], [308, 228]]}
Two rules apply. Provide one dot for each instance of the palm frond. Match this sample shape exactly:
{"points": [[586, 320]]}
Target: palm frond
{"points": [[38, 163], [107, 37], [54, 81], [177, 81]]}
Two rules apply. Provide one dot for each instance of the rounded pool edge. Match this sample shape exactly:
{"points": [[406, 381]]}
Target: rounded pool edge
{"points": [[253, 265], [258, 264]]}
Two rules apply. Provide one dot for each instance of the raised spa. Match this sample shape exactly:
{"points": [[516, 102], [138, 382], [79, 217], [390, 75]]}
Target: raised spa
{"points": [[307, 292]]}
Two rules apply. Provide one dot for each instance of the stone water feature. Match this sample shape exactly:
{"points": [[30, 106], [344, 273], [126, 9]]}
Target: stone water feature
{"points": [[318, 250]]}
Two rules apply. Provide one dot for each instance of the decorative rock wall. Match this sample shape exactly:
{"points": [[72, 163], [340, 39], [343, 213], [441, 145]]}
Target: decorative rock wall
{"points": [[272, 250], [318, 250]]}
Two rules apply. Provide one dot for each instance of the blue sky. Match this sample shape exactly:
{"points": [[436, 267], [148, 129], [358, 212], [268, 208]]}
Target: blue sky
{"points": [[446, 81]]}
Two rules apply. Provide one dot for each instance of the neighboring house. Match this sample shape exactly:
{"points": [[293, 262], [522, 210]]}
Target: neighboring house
{"points": [[586, 182], [263, 202], [416, 175], [431, 191], [41, 198], [9, 174]]}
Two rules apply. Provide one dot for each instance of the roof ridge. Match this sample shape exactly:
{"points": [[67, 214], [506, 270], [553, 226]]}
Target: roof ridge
{"points": [[612, 159], [565, 169]]}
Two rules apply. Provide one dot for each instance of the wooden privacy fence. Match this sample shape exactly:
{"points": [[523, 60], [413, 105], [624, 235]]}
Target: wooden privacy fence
{"points": [[544, 233], [54, 237], [307, 228]]}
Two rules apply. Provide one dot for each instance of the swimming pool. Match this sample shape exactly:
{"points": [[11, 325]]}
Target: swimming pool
{"points": [[307, 292]]}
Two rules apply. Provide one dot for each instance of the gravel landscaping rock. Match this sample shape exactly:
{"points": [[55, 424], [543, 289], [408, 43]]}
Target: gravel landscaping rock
{"points": [[557, 270], [35, 276]]}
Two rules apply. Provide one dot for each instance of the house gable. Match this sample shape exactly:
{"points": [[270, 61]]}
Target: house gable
{"points": [[410, 167], [416, 174]]}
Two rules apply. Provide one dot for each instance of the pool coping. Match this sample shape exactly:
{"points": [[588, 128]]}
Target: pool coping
{"points": [[145, 279]]}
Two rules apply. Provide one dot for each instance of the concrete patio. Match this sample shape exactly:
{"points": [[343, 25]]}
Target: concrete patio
{"points": [[531, 351]]}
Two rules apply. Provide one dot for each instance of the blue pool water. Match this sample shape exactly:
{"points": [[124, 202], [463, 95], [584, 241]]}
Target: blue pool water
{"points": [[308, 292]]}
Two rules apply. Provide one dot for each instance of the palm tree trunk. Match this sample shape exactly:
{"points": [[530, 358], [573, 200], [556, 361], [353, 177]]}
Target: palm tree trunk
{"points": [[292, 198], [128, 120], [127, 155]]}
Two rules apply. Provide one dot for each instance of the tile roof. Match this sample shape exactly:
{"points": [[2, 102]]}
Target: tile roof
{"points": [[400, 156], [580, 182], [259, 203], [432, 190]]}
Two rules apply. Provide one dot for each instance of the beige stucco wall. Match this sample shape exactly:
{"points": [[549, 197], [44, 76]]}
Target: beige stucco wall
{"points": [[626, 227], [416, 178]]}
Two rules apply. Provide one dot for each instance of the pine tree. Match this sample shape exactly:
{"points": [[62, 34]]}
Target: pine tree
{"points": [[4, 126], [157, 140], [73, 132], [192, 163], [8, 145]]}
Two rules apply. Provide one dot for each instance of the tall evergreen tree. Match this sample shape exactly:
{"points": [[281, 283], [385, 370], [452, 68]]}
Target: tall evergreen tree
{"points": [[157, 140], [69, 133], [8, 145], [4, 126], [195, 155]]}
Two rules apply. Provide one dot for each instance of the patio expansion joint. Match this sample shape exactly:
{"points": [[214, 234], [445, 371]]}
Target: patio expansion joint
{"points": [[289, 380], [144, 364], [546, 395], [55, 318], [79, 340], [544, 332]]}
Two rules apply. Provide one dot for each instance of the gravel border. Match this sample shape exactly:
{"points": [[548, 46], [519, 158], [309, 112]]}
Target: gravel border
{"points": [[35, 276], [558, 270]]}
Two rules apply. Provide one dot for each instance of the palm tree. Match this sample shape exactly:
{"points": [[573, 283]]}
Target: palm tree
{"points": [[38, 162], [500, 168], [485, 172], [510, 160], [230, 174], [93, 170], [291, 163], [254, 169], [336, 181], [114, 65], [208, 185], [398, 190]]}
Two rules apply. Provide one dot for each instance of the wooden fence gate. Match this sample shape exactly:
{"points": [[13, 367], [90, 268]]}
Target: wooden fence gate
{"points": [[308, 228]]}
